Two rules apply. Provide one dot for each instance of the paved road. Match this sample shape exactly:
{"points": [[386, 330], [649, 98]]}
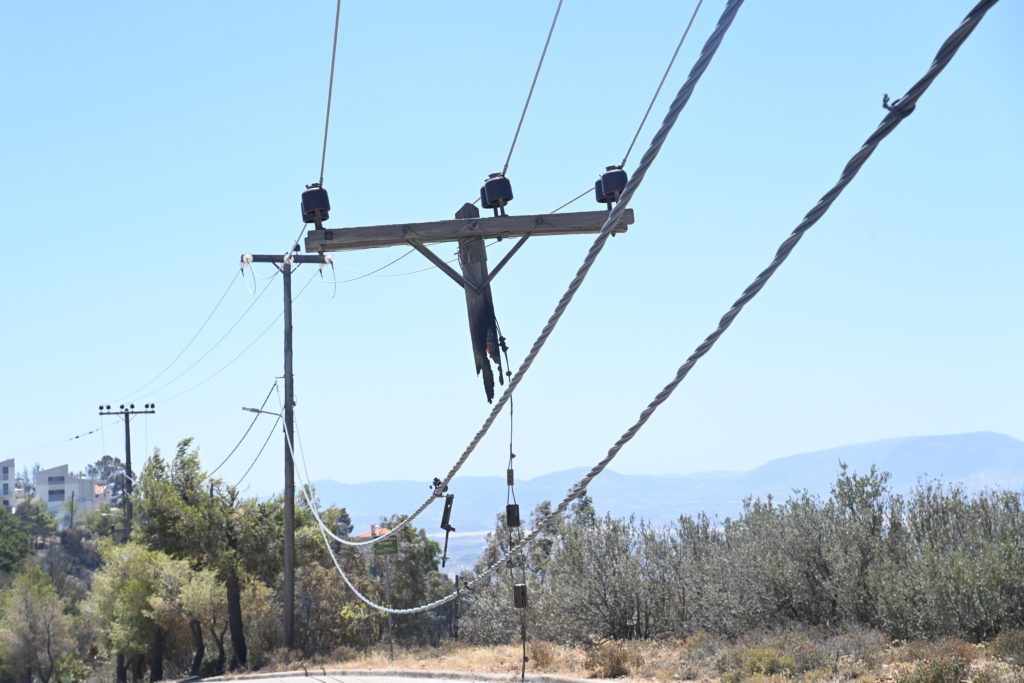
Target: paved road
{"points": [[338, 677], [345, 678]]}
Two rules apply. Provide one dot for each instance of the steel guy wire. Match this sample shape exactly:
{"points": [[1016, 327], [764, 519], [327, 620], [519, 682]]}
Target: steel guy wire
{"points": [[614, 216], [533, 84], [897, 111], [330, 92], [244, 435], [240, 353], [195, 336], [262, 448], [218, 342]]}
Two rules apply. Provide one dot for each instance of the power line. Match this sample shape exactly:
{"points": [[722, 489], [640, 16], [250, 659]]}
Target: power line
{"points": [[533, 84], [51, 444], [191, 340], [330, 92], [247, 430], [372, 272], [897, 111], [657, 90], [239, 354], [218, 342], [650, 106], [258, 454], [614, 216]]}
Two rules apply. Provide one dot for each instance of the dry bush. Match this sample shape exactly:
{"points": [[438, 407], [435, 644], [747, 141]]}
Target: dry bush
{"points": [[542, 654], [342, 653], [1009, 646], [859, 644], [609, 659], [938, 650]]}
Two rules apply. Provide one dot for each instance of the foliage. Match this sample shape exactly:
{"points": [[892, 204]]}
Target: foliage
{"points": [[109, 471], [13, 540], [943, 670], [35, 634], [37, 522], [931, 564]]}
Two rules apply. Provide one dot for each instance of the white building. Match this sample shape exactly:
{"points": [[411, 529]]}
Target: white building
{"points": [[65, 494], [7, 483]]}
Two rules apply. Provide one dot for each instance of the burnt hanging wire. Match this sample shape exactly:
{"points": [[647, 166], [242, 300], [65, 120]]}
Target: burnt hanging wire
{"points": [[513, 521]]}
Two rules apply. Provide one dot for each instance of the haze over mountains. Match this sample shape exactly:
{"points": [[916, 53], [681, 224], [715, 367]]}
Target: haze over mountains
{"points": [[976, 460]]}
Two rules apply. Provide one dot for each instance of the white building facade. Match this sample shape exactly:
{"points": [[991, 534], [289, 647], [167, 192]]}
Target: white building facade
{"points": [[7, 483], [65, 495]]}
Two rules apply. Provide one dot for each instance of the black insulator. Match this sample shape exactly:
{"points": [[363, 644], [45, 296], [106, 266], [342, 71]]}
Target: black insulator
{"points": [[510, 477], [316, 205], [610, 185], [496, 191], [519, 595], [446, 516], [512, 515]]}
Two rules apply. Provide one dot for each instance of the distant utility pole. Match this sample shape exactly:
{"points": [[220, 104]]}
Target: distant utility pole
{"points": [[284, 263], [126, 413]]}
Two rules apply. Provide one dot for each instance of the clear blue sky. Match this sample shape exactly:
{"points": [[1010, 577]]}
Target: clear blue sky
{"points": [[146, 145]]}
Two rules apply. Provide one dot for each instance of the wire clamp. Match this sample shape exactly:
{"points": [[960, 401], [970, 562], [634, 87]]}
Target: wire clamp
{"points": [[897, 106], [440, 488]]}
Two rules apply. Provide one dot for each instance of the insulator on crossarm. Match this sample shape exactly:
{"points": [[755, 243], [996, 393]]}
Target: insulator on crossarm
{"points": [[496, 193], [610, 185], [316, 205]]}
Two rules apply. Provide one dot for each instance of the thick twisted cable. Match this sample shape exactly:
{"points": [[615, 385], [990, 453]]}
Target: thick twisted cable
{"points": [[614, 216], [888, 124]]}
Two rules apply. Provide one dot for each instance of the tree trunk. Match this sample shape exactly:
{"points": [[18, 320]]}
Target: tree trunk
{"points": [[156, 656], [218, 640], [122, 671], [137, 667], [198, 646], [240, 652]]}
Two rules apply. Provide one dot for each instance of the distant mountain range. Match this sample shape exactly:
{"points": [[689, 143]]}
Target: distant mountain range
{"points": [[977, 461]]}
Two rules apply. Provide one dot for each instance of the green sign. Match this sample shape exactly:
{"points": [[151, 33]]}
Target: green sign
{"points": [[388, 547]]}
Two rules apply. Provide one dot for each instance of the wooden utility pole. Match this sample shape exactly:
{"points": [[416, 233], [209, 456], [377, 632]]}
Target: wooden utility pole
{"points": [[126, 413], [284, 263]]}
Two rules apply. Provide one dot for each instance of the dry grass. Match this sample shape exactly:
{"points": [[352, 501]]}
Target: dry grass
{"points": [[797, 655]]}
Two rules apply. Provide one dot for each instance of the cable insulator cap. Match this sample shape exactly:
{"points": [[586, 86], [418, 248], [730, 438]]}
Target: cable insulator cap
{"points": [[496, 191], [610, 185], [316, 205]]}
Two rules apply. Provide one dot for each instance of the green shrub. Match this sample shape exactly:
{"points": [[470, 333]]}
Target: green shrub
{"points": [[945, 670], [609, 659], [767, 660]]}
